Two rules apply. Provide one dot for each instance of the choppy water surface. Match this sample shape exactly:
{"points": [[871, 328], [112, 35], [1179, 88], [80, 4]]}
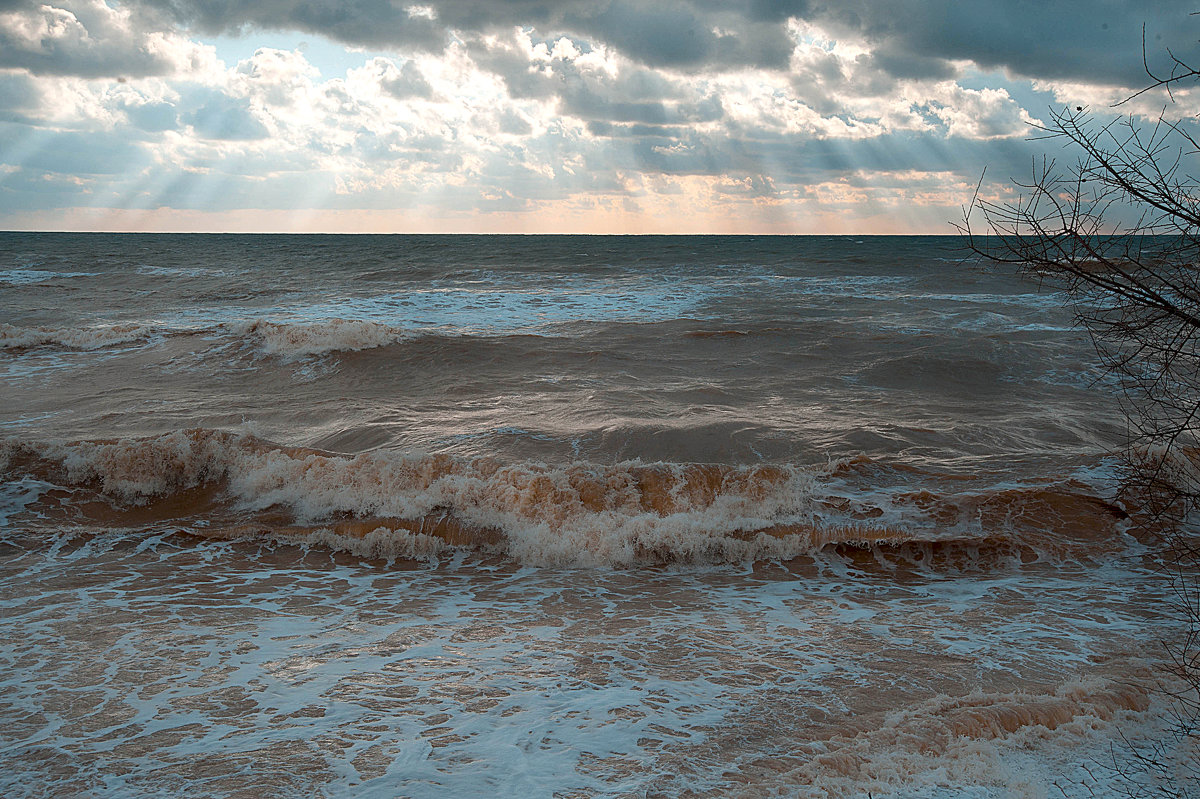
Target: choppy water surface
{"points": [[576, 516]]}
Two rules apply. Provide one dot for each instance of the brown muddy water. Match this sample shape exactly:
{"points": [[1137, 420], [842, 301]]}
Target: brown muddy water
{"points": [[559, 516]]}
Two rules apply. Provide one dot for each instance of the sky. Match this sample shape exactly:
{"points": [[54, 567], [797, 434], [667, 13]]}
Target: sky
{"points": [[534, 116]]}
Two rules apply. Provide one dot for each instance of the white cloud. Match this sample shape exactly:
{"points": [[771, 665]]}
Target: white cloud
{"points": [[1182, 102], [979, 113], [89, 38]]}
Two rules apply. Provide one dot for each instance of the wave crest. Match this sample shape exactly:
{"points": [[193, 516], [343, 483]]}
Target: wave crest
{"points": [[410, 504], [298, 339]]}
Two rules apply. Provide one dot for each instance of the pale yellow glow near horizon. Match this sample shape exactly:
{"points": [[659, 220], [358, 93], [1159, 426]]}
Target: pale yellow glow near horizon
{"points": [[698, 206], [599, 222]]}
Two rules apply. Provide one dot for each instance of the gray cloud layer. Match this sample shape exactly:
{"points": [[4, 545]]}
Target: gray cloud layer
{"points": [[1080, 40]]}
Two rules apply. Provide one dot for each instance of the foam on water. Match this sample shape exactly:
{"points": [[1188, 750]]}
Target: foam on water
{"points": [[527, 305], [17, 495], [163, 667]]}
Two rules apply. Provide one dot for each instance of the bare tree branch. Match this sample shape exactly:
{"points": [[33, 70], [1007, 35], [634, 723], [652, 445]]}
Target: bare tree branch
{"points": [[1118, 230], [1180, 72]]}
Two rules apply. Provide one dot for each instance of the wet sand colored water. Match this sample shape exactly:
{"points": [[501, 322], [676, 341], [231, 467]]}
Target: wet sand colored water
{"points": [[560, 516]]}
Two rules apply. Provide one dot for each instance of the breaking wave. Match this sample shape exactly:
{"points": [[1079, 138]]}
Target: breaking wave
{"points": [[403, 505], [298, 339]]}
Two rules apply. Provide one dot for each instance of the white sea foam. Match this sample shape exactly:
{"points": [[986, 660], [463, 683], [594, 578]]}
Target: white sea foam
{"points": [[174, 667], [17, 495]]}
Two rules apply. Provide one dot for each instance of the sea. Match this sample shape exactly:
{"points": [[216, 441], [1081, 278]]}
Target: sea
{"points": [[562, 516]]}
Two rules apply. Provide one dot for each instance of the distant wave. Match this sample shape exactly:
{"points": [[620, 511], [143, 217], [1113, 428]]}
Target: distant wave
{"points": [[25, 277], [585, 514], [281, 339], [297, 339], [715, 333], [181, 271], [71, 338]]}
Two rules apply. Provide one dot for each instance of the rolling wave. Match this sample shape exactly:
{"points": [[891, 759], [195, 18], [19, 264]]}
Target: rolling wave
{"points": [[388, 504]]}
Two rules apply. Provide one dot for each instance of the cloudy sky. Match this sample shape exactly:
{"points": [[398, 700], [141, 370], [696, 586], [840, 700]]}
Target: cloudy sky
{"points": [[622, 116]]}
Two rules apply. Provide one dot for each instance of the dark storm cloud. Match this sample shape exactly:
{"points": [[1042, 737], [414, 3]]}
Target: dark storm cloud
{"points": [[1079, 40], [913, 66], [683, 36], [365, 22], [679, 34]]}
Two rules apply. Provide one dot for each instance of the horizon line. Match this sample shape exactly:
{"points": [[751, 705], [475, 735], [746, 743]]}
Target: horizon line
{"points": [[462, 233]]}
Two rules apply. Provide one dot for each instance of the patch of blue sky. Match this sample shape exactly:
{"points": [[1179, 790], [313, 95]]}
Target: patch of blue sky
{"points": [[1022, 90], [332, 59]]}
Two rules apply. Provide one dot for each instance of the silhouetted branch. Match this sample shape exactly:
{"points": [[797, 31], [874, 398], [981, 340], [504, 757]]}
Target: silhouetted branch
{"points": [[1119, 230], [1180, 71]]}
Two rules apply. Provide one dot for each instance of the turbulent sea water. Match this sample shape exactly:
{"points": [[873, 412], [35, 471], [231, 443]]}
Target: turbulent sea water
{"points": [[559, 516]]}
